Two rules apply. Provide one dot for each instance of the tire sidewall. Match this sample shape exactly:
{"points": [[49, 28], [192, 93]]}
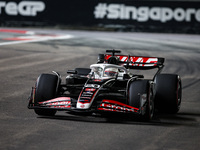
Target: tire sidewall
{"points": [[137, 88], [46, 89], [168, 93]]}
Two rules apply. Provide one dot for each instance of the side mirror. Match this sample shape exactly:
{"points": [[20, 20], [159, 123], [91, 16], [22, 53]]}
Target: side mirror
{"points": [[72, 72], [100, 58]]}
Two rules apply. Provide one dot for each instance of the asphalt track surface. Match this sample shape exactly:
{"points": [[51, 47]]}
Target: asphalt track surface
{"points": [[22, 62]]}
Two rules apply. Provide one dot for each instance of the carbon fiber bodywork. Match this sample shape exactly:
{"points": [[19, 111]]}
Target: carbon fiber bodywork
{"points": [[109, 86]]}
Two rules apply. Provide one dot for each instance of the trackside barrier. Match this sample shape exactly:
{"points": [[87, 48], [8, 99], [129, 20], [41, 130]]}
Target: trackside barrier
{"points": [[153, 16]]}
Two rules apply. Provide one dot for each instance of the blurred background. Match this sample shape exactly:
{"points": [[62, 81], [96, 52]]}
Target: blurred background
{"points": [[176, 16]]}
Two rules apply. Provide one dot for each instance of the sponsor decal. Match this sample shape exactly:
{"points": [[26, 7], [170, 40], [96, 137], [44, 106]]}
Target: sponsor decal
{"points": [[88, 92], [114, 107], [82, 106], [145, 13], [137, 61], [97, 80], [90, 89], [111, 105], [23, 8], [59, 99], [86, 98], [92, 85], [87, 95], [60, 102]]}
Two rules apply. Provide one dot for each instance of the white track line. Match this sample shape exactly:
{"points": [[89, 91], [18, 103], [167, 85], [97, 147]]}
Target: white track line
{"points": [[61, 37]]}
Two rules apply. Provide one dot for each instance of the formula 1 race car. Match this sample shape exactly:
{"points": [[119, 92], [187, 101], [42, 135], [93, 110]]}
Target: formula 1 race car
{"points": [[109, 86]]}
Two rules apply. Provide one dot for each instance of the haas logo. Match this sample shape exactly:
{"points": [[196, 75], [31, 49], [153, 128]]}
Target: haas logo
{"points": [[82, 106], [24, 8]]}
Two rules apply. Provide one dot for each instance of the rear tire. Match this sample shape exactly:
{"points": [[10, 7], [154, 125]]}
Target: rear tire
{"points": [[168, 93], [46, 89], [136, 89]]}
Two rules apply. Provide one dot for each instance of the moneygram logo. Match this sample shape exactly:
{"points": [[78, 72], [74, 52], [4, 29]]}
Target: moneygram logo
{"points": [[24, 8], [144, 14]]}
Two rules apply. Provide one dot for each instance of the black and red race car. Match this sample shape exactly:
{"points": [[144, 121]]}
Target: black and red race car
{"points": [[109, 86]]}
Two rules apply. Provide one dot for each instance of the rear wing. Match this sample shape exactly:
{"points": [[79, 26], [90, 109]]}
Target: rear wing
{"points": [[135, 62]]}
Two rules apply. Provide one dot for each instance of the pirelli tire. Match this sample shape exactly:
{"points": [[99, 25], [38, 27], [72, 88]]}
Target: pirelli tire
{"points": [[136, 91], [46, 89], [168, 93]]}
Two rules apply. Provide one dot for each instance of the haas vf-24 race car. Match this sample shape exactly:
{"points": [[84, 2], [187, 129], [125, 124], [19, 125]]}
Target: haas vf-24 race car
{"points": [[109, 87]]}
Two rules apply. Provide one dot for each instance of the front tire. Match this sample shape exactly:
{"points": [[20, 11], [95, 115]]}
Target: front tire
{"points": [[136, 91], [46, 89]]}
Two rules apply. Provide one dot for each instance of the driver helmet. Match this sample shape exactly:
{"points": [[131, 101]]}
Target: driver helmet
{"points": [[111, 72]]}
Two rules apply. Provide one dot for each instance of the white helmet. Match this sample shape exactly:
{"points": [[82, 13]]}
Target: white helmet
{"points": [[111, 72]]}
